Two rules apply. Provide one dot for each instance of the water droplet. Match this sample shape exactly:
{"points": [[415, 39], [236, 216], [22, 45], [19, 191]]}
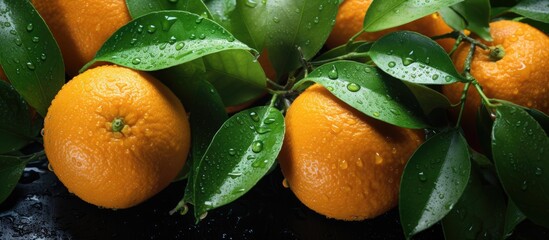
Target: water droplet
{"points": [[378, 159], [524, 185], [133, 41], [173, 1], [136, 61], [434, 77], [254, 116], [151, 28], [343, 164], [162, 46], [407, 61], [179, 46], [30, 66], [257, 146], [422, 177], [231, 39], [441, 196], [353, 87], [232, 152], [30, 27], [202, 36], [168, 22], [330, 88], [376, 114], [18, 42], [391, 64], [269, 120], [43, 57], [199, 20], [140, 28], [235, 174], [251, 3], [448, 78], [316, 20], [333, 74], [538, 171], [320, 7], [276, 20], [193, 36]]}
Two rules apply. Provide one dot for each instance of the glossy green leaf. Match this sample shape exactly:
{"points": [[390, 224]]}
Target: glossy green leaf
{"points": [[433, 181], [196, 94], [281, 26], [16, 128], [371, 92], [453, 19], [412, 57], [29, 54], [235, 74], [483, 136], [541, 118], [139, 8], [520, 149], [164, 39], [428, 98], [513, 216], [298, 27], [479, 213], [534, 9], [11, 169], [476, 15], [391, 13], [241, 153]]}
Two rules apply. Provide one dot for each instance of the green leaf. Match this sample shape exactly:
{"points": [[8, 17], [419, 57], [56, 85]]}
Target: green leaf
{"points": [[476, 15], [413, 57], [139, 8], [164, 39], [483, 134], [478, 213], [391, 13], [29, 54], [453, 19], [11, 169], [236, 75], [540, 117], [428, 98], [534, 9], [433, 181], [520, 149], [241, 153], [16, 129], [513, 216], [281, 26], [372, 93]]}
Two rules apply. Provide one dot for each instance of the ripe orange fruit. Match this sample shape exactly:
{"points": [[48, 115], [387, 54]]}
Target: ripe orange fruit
{"points": [[340, 162], [521, 76], [115, 136], [82, 26], [350, 18]]}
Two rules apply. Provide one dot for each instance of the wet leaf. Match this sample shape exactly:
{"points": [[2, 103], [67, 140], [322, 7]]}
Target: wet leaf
{"points": [[534, 9], [541, 118], [513, 216], [479, 212], [164, 39], [428, 98], [391, 13], [475, 15], [414, 58], [433, 181], [11, 169], [371, 92], [29, 54], [520, 149], [281, 26], [16, 129], [241, 153], [139, 8]]}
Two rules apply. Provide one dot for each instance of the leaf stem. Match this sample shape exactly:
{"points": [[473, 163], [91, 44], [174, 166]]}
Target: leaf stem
{"points": [[351, 55], [462, 103], [273, 100], [275, 84], [349, 44]]}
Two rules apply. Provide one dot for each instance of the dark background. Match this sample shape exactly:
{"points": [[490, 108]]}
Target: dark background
{"points": [[41, 207]]}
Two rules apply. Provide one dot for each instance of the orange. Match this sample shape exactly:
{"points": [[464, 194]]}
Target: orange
{"points": [[521, 76], [340, 162], [115, 136], [350, 19], [80, 27]]}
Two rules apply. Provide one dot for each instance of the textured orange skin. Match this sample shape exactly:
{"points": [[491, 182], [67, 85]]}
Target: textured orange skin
{"points": [[521, 76], [80, 27], [108, 169], [340, 162], [350, 18]]}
